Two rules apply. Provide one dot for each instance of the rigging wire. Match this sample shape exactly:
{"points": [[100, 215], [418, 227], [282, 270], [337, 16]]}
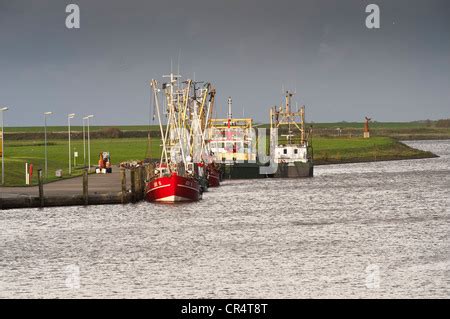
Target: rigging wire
{"points": [[151, 120]]}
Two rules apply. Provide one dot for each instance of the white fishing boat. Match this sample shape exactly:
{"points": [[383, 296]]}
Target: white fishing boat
{"points": [[291, 141]]}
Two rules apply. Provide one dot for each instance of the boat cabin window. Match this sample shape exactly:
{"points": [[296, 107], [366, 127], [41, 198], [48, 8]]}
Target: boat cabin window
{"points": [[285, 151], [296, 151]]}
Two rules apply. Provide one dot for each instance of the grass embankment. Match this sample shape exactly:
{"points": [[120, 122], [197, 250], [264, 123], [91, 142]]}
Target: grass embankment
{"points": [[326, 151], [17, 153], [63, 129], [353, 150], [398, 130], [420, 130]]}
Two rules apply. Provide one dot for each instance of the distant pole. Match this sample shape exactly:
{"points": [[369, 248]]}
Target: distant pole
{"points": [[89, 145], [366, 128], [84, 143], [124, 184], [89, 139], [85, 187], [3, 109], [230, 115], [70, 116], [41, 188], [27, 181], [45, 143]]}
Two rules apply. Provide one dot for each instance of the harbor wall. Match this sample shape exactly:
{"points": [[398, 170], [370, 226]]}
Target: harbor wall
{"points": [[70, 200], [76, 192]]}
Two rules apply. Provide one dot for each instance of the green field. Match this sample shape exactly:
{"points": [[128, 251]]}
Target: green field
{"points": [[342, 125], [52, 129], [17, 153], [326, 150], [419, 130], [400, 131], [373, 125]]}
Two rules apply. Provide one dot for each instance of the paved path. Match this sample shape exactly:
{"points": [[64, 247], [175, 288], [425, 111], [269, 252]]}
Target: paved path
{"points": [[97, 184]]}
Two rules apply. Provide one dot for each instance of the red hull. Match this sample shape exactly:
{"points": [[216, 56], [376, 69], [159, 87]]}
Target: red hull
{"points": [[213, 176], [173, 189], [213, 179]]}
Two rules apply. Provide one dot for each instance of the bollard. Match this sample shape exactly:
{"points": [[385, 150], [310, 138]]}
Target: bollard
{"points": [[141, 182], [123, 174], [85, 188], [136, 184], [133, 185], [150, 171], [41, 188], [144, 181]]}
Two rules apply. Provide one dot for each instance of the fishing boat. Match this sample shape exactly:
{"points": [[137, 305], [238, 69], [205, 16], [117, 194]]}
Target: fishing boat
{"points": [[290, 141], [213, 175], [186, 168], [232, 141], [201, 104], [175, 178]]}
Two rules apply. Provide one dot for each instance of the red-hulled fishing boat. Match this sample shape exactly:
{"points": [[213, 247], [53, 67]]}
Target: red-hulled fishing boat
{"points": [[186, 167], [173, 188], [213, 174], [175, 178]]}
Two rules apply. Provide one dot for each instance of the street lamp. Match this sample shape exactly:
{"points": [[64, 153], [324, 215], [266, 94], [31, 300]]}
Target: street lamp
{"points": [[89, 140], [45, 144], [3, 109], [84, 145], [69, 117]]}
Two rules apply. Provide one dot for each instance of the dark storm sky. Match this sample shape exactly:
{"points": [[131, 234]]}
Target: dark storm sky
{"points": [[248, 49]]}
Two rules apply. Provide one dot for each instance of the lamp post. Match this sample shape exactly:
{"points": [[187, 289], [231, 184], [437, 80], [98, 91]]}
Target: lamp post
{"points": [[45, 142], [84, 145], [69, 117], [89, 140], [3, 109]]}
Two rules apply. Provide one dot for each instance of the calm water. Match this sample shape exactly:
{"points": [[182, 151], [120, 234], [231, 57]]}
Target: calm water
{"points": [[355, 230]]}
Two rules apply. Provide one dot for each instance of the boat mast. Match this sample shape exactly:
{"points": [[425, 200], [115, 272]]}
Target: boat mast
{"points": [[286, 116], [302, 124], [230, 115], [174, 113], [197, 131], [155, 94]]}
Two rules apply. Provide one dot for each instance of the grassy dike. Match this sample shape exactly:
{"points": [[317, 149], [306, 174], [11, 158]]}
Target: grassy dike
{"points": [[327, 150]]}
